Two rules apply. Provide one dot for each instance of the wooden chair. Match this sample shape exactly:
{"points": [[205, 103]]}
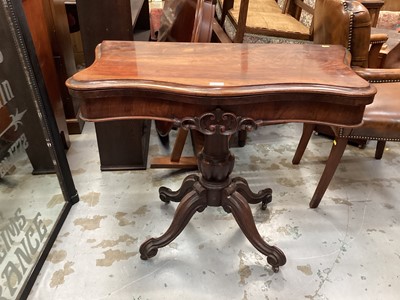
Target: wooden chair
{"points": [[186, 21], [348, 23], [265, 17]]}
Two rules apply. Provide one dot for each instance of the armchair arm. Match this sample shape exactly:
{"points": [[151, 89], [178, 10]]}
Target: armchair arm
{"points": [[378, 75], [379, 37], [377, 41]]}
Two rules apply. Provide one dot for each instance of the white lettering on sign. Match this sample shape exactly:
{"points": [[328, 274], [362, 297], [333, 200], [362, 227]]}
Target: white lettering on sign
{"points": [[6, 93], [8, 161], [23, 238]]}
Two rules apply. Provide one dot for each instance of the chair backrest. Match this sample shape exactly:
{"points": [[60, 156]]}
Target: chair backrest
{"points": [[295, 8], [203, 21], [344, 22], [187, 21]]}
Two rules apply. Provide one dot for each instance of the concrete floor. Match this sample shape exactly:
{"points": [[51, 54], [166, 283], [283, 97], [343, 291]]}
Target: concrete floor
{"points": [[348, 248], [29, 208]]}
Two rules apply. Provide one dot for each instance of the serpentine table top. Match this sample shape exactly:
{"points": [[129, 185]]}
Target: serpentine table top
{"points": [[176, 80]]}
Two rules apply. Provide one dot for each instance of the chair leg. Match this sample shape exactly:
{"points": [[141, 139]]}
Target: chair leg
{"points": [[226, 6], [163, 128], [331, 165], [305, 137], [380, 147], [176, 160], [179, 144], [241, 26], [242, 136]]}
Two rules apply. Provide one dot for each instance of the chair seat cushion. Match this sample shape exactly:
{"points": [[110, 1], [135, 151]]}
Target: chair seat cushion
{"points": [[382, 117], [266, 17]]}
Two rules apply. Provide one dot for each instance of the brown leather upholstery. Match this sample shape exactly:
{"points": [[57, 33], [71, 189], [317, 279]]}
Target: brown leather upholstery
{"points": [[347, 22], [382, 117], [332, 26]]}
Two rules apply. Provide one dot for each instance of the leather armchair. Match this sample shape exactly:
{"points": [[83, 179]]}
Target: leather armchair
{"points": [[348, 23]]}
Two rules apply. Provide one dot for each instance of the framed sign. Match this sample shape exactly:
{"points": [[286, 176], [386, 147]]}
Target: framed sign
{"points": [[32, 207]]}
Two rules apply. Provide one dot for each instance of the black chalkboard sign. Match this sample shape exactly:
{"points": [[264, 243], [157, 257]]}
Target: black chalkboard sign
{"points": [[27, 124]]}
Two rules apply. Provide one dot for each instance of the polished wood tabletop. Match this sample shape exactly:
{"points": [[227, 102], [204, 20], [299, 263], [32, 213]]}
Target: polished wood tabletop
{"points": [[210, 75], [219, 89]]}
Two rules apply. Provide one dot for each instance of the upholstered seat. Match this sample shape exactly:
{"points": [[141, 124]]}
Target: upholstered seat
{"points": [[266, 17], [381, 119], [347, 22]]}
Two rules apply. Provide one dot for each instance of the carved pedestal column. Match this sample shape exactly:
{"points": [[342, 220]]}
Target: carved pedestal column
{"points": [[215, 187]]}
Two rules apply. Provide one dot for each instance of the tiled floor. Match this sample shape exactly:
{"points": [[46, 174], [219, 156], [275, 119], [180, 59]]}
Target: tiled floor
{"points": [[348, 248]]}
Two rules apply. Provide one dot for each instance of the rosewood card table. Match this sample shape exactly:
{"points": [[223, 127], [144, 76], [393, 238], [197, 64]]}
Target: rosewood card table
{"points": [[218, 89]]}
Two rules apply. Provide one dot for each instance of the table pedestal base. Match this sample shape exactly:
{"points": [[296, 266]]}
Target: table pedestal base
{"points": [[235, 199], [215, 187]]}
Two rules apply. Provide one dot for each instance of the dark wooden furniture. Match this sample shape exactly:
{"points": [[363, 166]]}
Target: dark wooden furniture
{"points": [[259, 84], [123, 144], [35, 16], [63, 54], [112, 20], [381, 119]]}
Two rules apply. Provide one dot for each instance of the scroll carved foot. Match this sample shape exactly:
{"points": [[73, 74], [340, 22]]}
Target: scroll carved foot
{"points": [[194, 201], [264, 196], [236, 203], [167, 195]]}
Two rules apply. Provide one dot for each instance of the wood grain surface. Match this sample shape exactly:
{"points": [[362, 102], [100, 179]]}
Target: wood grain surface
{"points": [[266, 82]]}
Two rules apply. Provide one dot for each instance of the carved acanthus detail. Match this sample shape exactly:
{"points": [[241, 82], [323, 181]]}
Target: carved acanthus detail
{"points": [[220, 122]]}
